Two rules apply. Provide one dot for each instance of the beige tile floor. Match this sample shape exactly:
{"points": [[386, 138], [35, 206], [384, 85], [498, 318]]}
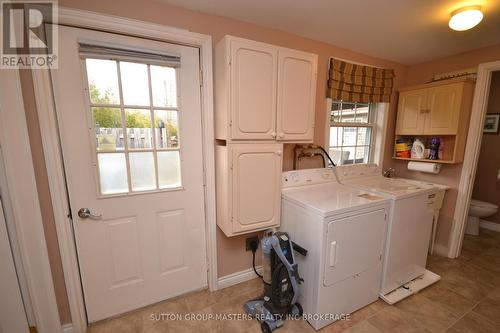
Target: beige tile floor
{"points": [[467, 299]]}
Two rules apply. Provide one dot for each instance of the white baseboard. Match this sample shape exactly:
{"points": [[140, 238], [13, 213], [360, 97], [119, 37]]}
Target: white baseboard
{"points": [[489, 225], [238, 277], [441, 250], [67, 328]]}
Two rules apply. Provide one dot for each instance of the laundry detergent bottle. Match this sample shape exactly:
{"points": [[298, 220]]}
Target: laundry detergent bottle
{"points": [[418, 149]]}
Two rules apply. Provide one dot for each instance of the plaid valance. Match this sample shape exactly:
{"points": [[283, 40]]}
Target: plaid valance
{"points": [[358, 83]]}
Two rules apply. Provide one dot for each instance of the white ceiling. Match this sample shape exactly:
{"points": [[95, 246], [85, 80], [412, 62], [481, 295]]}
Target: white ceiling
{"points": [[405, 31]]}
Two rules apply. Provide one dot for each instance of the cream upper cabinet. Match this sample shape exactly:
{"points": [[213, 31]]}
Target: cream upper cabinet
{"points": [[263, 92], [443, 109], [411, 112], [253, 95], [434, 109], [296, 95], [248, 187]]}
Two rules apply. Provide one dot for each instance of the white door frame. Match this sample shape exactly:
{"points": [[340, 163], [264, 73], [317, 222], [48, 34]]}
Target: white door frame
{"points": [[52, 149], [472, 150], [24, 203]]}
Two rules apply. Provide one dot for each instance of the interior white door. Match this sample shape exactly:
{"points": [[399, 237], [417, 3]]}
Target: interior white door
{"points": [[296, 95], [131, 135], [253, 90], [12, 315]]}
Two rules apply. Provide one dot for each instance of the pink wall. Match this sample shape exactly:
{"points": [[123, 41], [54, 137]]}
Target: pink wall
{"points": [[450, 174], [486, 186]]}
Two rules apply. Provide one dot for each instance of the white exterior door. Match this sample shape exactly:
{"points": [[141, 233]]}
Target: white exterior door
{"points": [[12, 315], [130, 127], [253, 90], [256, 179], [296, 95]]}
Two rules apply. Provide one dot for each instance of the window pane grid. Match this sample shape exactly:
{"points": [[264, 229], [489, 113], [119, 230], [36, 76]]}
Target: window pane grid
{"points": [[152, 115], [351, 132], [132, 130], [137, 107], [125, 137]]}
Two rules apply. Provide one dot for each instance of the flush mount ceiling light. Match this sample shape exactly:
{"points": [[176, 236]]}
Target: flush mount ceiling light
{"points": [[465, 18]]}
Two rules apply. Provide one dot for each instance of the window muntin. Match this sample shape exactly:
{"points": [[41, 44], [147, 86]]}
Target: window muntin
{"points": [[135, 119], [352, 127]]}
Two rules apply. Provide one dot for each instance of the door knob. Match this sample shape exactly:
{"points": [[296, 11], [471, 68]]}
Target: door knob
{"points": [[85, 213]]}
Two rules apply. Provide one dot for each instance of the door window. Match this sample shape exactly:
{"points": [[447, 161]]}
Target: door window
{"points": [[135, 125]]}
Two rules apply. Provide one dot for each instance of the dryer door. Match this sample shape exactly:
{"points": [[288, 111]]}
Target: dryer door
{"points": [[354, 244]]}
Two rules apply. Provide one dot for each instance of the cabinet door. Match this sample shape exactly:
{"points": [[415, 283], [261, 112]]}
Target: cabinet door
{"points": [[411, 112], [443, 105], [256, 177], [347, 255], [253, 90], [296, 95]]}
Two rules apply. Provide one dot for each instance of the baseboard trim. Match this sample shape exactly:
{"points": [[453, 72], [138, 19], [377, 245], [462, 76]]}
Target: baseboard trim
{"points": [[67, 328], [489, 225], [238, 277], [441, 250]]}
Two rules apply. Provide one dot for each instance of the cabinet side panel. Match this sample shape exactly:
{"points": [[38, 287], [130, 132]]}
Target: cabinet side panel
{"points": [[222, 187], [221, 89]]}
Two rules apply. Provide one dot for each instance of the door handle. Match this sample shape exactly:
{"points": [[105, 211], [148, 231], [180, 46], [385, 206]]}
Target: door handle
{"points": [[84, 213], [333, 253]]}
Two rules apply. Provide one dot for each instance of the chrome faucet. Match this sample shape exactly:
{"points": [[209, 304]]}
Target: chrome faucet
{"points": [[389, 173]]}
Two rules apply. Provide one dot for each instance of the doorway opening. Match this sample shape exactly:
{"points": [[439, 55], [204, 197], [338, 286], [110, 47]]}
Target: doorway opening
{"points": [[482, 229]]}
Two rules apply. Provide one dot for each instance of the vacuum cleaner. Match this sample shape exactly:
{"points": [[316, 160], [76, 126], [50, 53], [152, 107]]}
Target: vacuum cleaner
{"points": [[281, 282]]}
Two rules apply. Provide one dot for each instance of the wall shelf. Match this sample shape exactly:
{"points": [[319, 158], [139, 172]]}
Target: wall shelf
{"points": [[439, 109]]}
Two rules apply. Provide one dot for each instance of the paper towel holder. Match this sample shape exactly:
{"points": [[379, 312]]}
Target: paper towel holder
{"points": [[433, 168]]}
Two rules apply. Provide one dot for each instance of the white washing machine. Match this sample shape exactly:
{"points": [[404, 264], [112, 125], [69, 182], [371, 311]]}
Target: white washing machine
{"points": [[344, 231], [409, 229]]}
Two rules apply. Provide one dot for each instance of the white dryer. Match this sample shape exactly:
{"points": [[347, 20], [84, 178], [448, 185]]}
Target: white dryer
{"points": [[344, 231], [409, 229]]}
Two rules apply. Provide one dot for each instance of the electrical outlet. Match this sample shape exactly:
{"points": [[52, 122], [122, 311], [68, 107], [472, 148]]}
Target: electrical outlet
{"points": [[251, 241]]}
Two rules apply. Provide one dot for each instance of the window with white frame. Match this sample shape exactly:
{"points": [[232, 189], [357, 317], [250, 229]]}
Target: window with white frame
{"points": [[134, 111], [352, 132]]}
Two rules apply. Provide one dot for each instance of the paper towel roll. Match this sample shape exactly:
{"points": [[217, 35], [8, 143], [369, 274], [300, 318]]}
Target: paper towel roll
{"points": [[424, 167]]}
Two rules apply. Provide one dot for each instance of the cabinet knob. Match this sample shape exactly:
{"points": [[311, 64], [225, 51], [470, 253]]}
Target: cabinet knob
{"points": [[281, 135], [273, 134], [279, 152]]}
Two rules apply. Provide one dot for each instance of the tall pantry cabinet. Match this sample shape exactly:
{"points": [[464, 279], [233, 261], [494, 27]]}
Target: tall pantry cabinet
{"points": [[264, 97]]}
